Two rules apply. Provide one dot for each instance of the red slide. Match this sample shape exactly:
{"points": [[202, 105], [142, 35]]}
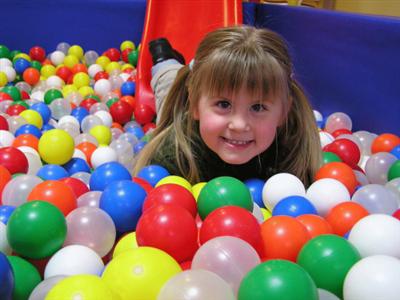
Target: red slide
{"points": [[184, 23]]}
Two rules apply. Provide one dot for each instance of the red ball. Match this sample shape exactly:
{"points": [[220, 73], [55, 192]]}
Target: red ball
{"points": [[3, 123], [5, 96], [129, 99], [347, 151], [338, 132], [343, 216], [125, 54], [170, 228], [25, 95], [339, 171], [171, 194], [121, 112], [77, 68], [15, 109], [396, 214], [113, 54], [143, 183], [31, 76], [385, 143], [101, 75], [232, 221], [64, 73], [37, 53], [77, 186], [87, 103], [143, 113], [14, 160], [149, 126]]}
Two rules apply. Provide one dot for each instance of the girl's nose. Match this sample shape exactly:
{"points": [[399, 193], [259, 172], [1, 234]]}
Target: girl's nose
{"points": [[238, 122]]}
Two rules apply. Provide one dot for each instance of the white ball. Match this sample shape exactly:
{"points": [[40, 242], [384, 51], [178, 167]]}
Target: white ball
{"points": [[5, 62], [57, 57], [94, 69], [10, 73], [373, 278], [102, 86], [34, 163], [376, 234], [74, 260], [4, 246], [103, 155], [79, 154], [105, 116], [68, 119], [327, 193], [318, 116], [325, 138], [281, 186], [30, 150], [6, 138], [38, 95], [55, 82], [338, 120]]}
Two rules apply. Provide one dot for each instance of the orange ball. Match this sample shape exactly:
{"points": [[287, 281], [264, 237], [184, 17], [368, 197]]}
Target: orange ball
{"points": [[117, 125], [87, 148], [55, 192], [31, 76], [341, 172], [79, 68], [315, 225], [283, 237], [385, 143], [343, 216], [26, 140], [5, 177], [129, 99]]}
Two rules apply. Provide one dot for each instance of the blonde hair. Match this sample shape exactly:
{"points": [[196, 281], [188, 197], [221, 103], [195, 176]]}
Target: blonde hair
{"points": [[227, 60]]}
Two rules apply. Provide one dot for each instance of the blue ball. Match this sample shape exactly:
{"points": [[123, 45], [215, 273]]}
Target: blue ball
{"points": [[123, 201], [43, 110], [136, 131], [75, 165], [5, 213], [255, 187], [47, 127], [52, 172], [21, 64], [294, 206], [139, 146], [128, 88], [6, 278], [28, 129], [106, 174], [396, 151], [79, 113], [153, 174]]}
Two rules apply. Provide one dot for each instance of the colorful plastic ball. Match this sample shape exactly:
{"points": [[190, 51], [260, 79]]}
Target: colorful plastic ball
{"points": [[121, 112], [32, 117], [13, 160], [339, 171], [280, 186], [328, 157], [79, 113], [55, 192], [31, 76], [133, 57], [13, 91], [4, 51], [6, 277], [171, 194], [20, 65], [153, 174], [37, 53], [3, 79], [26, 277], [373, 278], [127, 44], [81, 79], [377, 199], [75, 165], [52, 172], [261, 282], [127, 242], [328, 258], [395, 151], [15, 109], [123, 201], [128, 88], [76, 50], [222, 191], [51, 95], [3, 123], [196, 189], [136, 130], [385, 143], [326, 193], [175, 180], [376, 234], [70, 61], [176, 232], [36, 229], [102, 155], [377, 167], [5, 213], [255, 187], [394, 171], [56, 147], [47, 127], [294, 206], [47, 70], [315, 225], [232, 221], [81, 260], [43, 110], [28, 129], [139, 274], [143, 113], [347, 151], [139, 147], [338, 120], [283, 237], [108, 173], [344, 216], [102, 134]]}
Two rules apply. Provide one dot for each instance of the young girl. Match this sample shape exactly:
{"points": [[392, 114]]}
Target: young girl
{"points": [[236, 111]]}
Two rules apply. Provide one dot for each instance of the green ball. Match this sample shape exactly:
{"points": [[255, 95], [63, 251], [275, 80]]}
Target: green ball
{"points": [[13, 92], [4, 52], [26, 277], [111, 102], [277, 280], [52, 95], [133, 57], [328, 258], [328, 157], [223, 191], [35, 64], [36, 229], [22, 103], [394, 170]]}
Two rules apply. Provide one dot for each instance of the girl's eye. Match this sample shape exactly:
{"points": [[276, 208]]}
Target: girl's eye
{"points": [[223, 104], [258, 107]]}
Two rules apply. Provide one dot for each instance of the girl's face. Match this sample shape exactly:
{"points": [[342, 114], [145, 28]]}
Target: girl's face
{"points": [[238, 127]]}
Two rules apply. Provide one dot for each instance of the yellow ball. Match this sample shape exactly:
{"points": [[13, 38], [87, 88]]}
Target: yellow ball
{"points": [[68, 89], [113, 66], [47, 70], [196, 189], [86, 90], [85, 287], [266, 213], [32, 117], [81, 79], [139, 274], [102, 134], [127, 44], [56, 146], [127, 66], [128, 242], [76, 51], [22, 55], [3, 79], [70, 61], [177, 180], [103, 61]]}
